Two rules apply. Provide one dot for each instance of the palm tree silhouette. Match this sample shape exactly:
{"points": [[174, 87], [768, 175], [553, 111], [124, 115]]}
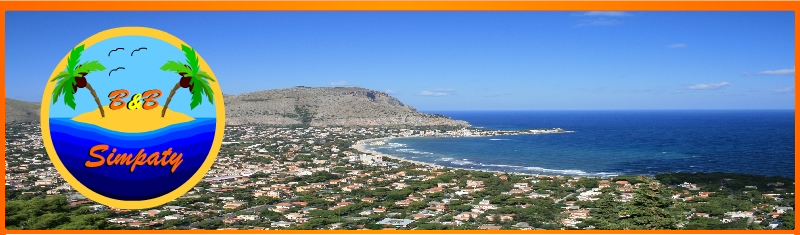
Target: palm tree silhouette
{"points": [[75, 77], [190, 76]]}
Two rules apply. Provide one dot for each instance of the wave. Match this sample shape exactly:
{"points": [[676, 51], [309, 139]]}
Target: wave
{"points": [[65, 125], [413, 151], [500, 165], [523, 169], [568, 172], [403, 151], [473, 165], [607, 146], [81, 137], [192, 139]]}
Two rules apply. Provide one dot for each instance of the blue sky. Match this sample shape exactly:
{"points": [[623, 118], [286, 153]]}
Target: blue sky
{"points": [[460, 60], [140, 71]]}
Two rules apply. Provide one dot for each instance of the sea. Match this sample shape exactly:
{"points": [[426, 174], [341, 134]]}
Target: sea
{"points": [[608, 143], [73, 140]]}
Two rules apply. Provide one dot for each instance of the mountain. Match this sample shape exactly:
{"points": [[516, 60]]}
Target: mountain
{"points": [[21, 111], [314, 106], [327, 106]]}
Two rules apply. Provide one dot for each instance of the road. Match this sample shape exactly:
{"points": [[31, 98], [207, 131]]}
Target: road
{"points": [[568, 195]]}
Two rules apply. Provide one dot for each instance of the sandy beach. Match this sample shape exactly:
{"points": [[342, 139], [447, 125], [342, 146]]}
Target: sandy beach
{"points": [[120, 120], [361, 146]]}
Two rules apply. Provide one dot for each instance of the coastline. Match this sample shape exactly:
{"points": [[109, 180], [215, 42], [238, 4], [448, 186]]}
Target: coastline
{"points": [[361, 144], [119, 120]]}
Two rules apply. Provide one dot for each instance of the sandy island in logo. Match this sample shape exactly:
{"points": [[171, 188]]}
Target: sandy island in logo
{"points": [[119, 125], [121, 120], [133, 121]]}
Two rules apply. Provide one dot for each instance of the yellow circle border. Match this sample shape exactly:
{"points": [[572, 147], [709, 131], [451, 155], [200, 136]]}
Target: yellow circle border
{"points": [[125, 204]]}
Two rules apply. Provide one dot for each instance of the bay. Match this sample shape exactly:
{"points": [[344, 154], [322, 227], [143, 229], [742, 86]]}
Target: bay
{"points": [[642, 142]]}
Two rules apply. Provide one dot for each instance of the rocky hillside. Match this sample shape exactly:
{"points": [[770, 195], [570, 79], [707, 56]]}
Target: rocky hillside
{"points": [[317, 106], [324, 106], [21, 111]]}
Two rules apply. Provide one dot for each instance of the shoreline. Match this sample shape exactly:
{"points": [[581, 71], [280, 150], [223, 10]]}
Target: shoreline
{"points": [[361, 144]]}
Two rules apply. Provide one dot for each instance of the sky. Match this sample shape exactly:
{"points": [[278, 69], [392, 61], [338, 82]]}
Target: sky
{"points": [[137, 72], [459, 60]]}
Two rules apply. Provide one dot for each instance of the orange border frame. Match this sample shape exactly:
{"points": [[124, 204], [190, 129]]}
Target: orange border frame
{"points": [[391, 6]]}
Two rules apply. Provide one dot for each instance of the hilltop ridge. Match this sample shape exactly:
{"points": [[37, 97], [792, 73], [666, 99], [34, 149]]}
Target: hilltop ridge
{"points": [[21, 111], [327, 106], [310, 106]]}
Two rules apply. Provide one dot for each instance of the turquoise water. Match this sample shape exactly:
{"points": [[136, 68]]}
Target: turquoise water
{"points": [[616, 142]]}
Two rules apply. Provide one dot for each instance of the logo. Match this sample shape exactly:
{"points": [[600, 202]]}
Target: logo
{"points": [[132, 117]]}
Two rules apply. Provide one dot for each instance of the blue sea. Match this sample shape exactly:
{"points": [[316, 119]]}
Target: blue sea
{"points": [[73, 140], [615, 142]]}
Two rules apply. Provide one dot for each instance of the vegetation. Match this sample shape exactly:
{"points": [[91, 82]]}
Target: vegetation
{"points": [[348, 195], [68, 82], [190, 76], [304, 115], [650, 209], [54, 213], [732, 181]]}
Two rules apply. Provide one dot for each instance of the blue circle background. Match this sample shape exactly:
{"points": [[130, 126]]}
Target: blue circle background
{"points": [[141, 72], [72, 140]]}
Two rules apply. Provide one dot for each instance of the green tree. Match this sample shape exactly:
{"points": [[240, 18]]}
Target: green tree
{"points": [[98, 221], [265, 200], [787, 220], [270, 215], [321, 176], [418, 205], [649, 208], [68, 82], [373, 226], [608, 211], [585, 182], [196, 77], [211, 224], [53, 213], [462, 208], [701, 223]]}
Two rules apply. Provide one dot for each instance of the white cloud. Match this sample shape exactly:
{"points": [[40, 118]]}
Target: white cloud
{"points": [[598, 22], [605, 13], [777, 72], [785, 90], [437, 92], [710, 86], [677, 45], [339, 83]]}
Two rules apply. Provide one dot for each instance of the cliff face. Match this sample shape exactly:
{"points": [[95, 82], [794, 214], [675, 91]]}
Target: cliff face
{"points": [[323, 106], [318, 106]]}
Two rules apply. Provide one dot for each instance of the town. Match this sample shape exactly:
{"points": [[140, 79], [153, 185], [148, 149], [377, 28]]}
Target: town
{"points": [[273, 178]]}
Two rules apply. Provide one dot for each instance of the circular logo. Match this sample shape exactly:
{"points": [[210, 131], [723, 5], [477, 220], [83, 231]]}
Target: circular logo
{"points": [[132, 117]]}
